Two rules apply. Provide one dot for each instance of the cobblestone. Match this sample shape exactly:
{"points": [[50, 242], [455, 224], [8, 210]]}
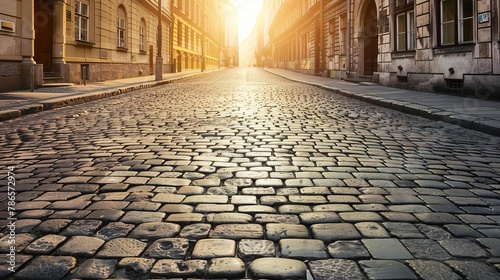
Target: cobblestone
{"points": [[242, 174]]}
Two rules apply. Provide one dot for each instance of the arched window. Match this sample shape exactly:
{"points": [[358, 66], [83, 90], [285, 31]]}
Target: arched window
{"points": [[121, 27], [142, 35]]}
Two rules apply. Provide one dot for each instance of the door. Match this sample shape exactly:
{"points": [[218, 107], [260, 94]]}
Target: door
{"points": [[43, 33], [370, 40]]}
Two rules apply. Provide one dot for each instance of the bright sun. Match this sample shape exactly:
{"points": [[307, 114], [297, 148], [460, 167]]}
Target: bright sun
{"points": [[248, 10]]}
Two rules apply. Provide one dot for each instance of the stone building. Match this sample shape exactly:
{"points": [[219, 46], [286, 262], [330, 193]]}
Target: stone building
{"points": [[427, 45], [112, 39]]}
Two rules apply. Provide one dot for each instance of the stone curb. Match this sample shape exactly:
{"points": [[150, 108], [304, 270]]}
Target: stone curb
{"points": [[69, 101], [465, 121]]}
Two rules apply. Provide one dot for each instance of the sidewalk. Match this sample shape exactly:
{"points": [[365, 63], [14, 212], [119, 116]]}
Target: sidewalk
{"points": [[19, 103], [471, 113]]}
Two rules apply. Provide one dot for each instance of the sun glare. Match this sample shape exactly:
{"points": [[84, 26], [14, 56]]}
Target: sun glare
{"points": [[248, 10]]}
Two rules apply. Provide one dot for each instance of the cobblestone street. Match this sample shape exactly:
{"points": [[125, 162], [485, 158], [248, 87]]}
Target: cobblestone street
{"points": [[241, 174]]}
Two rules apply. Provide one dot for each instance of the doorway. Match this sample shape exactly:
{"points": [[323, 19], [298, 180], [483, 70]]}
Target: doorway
{"points": [[370, 39], [43, 33]]}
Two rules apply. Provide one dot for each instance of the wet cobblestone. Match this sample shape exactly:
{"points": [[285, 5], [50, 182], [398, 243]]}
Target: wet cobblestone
{"points": [[241, 174]]}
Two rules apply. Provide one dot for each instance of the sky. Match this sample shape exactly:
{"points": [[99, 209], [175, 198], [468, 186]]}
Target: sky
{"points": [[248, 10]]}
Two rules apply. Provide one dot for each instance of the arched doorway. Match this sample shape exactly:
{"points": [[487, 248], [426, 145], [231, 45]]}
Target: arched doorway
{"points": [[370, 39], [43, 33]]}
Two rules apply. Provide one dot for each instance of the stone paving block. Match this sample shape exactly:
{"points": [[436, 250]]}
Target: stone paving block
{"points": [[114, 230], [168, 248], [155, 230], [168, 198], [437, 218], [266, 183], [6, 265], [277, 268], [276, 231], [372, 230], [329, 232], [386, 269], [121, 248], [109, 215], [197, 199], [80, 246], [35, 214], [258, 191], [473, 269], [191, 190], [96, 269], [179, 268], [55, 196], [139, 266], [355, 217], [82, 227], [463, 248], [214, 248], [256, 209], [243, 199], [52, 225], [387, 249], [294, 209], [195, 231], [68, 205], [335, 269], [255, 248], [185, 218], [107, 205], [332, 208], [223, 190], [143, 206], [341, 199], [298, 183], [176, 208], [426, 249], [432, 270], [237, 231], [492, 245], [44, 245], [462, 231], [307, 199], [310, 218], [226, 268], [26, 225], [434, 232], [139, 217], [348, 249], [214, 208], [47, 268], [229, 218], [276, 218]]}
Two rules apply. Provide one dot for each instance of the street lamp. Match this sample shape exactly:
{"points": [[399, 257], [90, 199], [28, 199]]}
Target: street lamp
{"points": [[159, 59]]}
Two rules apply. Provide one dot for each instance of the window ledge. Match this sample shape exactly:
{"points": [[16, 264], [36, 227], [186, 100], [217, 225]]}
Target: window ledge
{"points": [[403, 54], [143, 52], [122, 49], [85, 43], [454, 49]]}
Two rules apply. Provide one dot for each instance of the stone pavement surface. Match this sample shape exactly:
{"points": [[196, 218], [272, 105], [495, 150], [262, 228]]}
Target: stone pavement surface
{"points": [[473, 113], [242, 174], [24, 102]]}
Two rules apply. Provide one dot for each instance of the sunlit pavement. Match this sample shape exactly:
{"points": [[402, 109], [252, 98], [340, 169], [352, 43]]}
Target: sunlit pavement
{"points": [[243, 174]]}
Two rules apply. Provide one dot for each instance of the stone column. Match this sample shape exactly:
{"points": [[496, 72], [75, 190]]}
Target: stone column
{"points": [[59, 38], [30, 71]]}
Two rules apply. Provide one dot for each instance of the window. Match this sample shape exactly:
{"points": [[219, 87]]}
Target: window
{"points": [[142, 36], [81, 21], [331, 36], [120, 28], [405, 25], [457, 23], [343, 34]]}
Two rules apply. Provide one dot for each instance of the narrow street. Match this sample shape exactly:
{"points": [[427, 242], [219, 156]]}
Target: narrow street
{"points": [[241, 174]]}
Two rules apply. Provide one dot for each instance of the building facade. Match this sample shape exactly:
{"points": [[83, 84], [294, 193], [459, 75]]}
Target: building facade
{"points": [[427, 45], [68, 40]]}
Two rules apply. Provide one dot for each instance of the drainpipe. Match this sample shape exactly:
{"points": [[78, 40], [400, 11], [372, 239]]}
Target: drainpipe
{"points": [[348, 39]]}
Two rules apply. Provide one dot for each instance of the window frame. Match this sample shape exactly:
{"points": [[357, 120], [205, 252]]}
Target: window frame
{"points": [[405, 40], [80, 18], [456, 22], [142, 36]]}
